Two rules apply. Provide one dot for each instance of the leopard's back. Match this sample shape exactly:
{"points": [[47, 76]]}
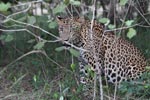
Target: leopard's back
{"points": [[105, 52]]}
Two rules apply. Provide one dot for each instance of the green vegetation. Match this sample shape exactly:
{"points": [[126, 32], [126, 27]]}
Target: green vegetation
{"points": [[35, 66]]}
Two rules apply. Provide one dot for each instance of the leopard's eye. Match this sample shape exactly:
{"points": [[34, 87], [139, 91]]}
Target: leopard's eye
{"points": [[64, 22]]}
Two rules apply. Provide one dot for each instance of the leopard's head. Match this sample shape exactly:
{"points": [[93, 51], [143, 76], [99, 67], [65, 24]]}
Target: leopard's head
{"points": [[77, 30], [69, 29]]}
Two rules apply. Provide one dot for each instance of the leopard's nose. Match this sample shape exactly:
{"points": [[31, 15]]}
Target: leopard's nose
{"points": [[60, 28]]}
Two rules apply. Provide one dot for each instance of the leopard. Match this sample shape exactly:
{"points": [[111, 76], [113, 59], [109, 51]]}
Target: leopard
{"points": [[103, 51]]}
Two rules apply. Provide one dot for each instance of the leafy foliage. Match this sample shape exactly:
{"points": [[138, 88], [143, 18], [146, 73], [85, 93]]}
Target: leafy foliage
{"points": [[39, 45], [31, 20], [75, 2], [59, 8], [7, 38], [131, 33], [51, 71], [4, 7], [123, 2], [74, 52], [104, 20]]}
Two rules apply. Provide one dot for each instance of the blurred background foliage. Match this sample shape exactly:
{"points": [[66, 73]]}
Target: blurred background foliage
{"points": [[35, 66]]}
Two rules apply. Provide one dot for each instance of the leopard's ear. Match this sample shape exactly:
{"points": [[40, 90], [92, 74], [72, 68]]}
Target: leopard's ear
{"points": [[61, 20], [58, 18]]}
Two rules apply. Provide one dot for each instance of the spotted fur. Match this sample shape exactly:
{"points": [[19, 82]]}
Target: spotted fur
{"points": [[105, 52]]}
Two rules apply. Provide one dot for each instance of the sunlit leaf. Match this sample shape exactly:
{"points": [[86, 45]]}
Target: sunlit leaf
{"points": [[61, 98], [131, 33], [58, 49], [146, 86], [147, 67], [73, 67], [129, 22], [110, 26], [104, 20], [9, 38], [31, 20], [39, 45], [34, 78], [4, 7], [53, 24], [75, 2], [123, 2], [31, 41], [74, 52], [66, 2], [23, 18], [55, 95], [59, 8]]}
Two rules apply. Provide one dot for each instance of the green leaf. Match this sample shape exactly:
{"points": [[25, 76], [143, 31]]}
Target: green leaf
{"points": [[9, 38], [124, 90], [110, 26], [74, 52], [52, 25], [65, 90], [31, 41], [90, 71], [58, 49], [61, 98], [59, 8], [123, 2], [2, 37], [74, 2], [39, 45], [23, 18], [131, 33], [55, 95], [146, 86], [73, 66], [147, 67], [66, 2], [34, 78], [129, 22], [104, 20], [4, 7], [31, 20]]}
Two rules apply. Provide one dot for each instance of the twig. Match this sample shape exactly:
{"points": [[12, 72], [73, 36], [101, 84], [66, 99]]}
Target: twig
{"points": [[26, 3], [26, 54], [17, 30], [94, 90], [44, 53], [115, 92], [142, 15], [38, 37], [37, 27], [18, 81], [121, 28], [101, 86], [91, 37], [125, 16], [23, 11], [9, 96], [144, 26], [94, 56], [46, 33]]}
